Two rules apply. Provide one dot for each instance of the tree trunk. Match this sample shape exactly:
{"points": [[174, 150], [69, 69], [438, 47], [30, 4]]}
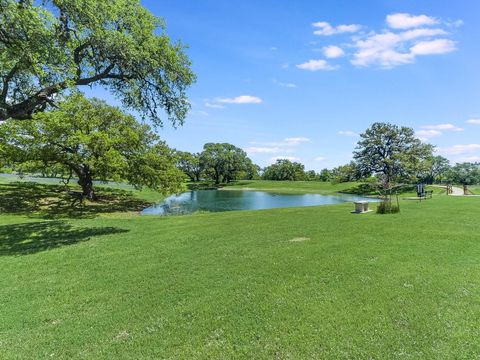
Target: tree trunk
{"points": [[85, 180], [217, 177]]}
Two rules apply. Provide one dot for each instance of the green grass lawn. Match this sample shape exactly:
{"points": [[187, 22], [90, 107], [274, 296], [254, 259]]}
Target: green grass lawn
{"points": [[475, 189], [291, 187], [299, 283]]}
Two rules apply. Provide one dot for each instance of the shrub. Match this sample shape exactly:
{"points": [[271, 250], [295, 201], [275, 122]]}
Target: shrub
{"points": [[386, 207]]}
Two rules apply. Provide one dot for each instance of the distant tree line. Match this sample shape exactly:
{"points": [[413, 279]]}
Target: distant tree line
{"points": [[218, 162], [388, 154], [93, 141]]}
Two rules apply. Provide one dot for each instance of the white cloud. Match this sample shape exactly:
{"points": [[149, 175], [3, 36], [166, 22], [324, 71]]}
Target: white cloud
{"points": [[324, 28], [347, 133], [474, 121], [320, 158], [288, 146], [458, 149], [333, 51], [282, 84], [433, 47], [419, 33], [407, 21], [213, 105], [405, 38], [315, 65], [296, 140], [242, 99], [424, 135], [389, 49], [291, 158], [446, 127]]}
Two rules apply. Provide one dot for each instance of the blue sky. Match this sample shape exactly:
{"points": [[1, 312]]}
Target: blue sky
{"points": [[300, 79]]}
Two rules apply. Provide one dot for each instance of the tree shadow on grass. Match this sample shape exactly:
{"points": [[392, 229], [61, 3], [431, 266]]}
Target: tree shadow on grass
{"points": [[29, 238], [56, 201]]}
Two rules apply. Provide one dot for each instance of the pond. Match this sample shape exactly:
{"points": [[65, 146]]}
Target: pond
{"points": [[225, 200]]}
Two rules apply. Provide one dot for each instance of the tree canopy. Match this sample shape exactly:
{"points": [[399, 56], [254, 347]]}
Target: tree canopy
{"points": [[284, 169], [50, 47], [224, 162], [435, 169], [92, 141], [190, 164], [346, 173], [392, 152], [464, 174]]}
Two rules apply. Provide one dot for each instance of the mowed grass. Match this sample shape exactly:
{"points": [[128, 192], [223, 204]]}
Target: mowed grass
{"points": [[291, 187], [298, 283]]}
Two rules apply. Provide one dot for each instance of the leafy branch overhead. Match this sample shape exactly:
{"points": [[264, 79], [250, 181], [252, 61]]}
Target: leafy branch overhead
{"points": [[51, 48]]}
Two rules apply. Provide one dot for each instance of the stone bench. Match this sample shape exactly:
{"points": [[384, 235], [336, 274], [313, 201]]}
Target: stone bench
{"points": [[361, 207]]}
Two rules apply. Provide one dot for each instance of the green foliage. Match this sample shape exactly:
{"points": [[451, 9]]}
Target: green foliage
{"points": [[433, 169], [49, 47], [346, 173], [464, 174], [224, 162], [325, 175], [391, 152], [284, 169], [91, 140], [189, 164], [311, 175], [252, 172], [386, 207], [439, 167]]}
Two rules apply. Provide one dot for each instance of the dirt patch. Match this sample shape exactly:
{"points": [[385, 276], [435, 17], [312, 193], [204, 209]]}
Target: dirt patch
{"points": [[299, 239]]}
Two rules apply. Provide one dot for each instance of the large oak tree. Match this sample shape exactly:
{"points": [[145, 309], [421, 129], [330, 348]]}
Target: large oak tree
{"points": [[284, 169], [48, 47], [91, 141], [391, 152], [224, 162]]}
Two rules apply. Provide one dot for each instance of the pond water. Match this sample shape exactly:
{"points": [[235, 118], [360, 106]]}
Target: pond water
{"points": [[218, 200]]}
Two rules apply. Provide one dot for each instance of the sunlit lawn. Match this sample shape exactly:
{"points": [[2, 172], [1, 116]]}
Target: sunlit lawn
{"points": [[299, 283]]}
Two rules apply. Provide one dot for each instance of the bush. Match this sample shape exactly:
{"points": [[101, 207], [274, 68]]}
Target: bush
{"points": [[386, 207]]}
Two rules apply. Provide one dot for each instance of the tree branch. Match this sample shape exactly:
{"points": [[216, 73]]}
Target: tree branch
{"points": [[104, 74], [77, 58], [6, 80]]}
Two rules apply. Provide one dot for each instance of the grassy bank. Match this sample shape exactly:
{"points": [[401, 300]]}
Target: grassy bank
{"points": [[50, 198], [291, 187], [296, 283]]}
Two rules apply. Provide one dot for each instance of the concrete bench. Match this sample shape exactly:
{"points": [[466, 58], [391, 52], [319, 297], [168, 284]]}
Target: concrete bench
{"points": [[361, 207]]}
